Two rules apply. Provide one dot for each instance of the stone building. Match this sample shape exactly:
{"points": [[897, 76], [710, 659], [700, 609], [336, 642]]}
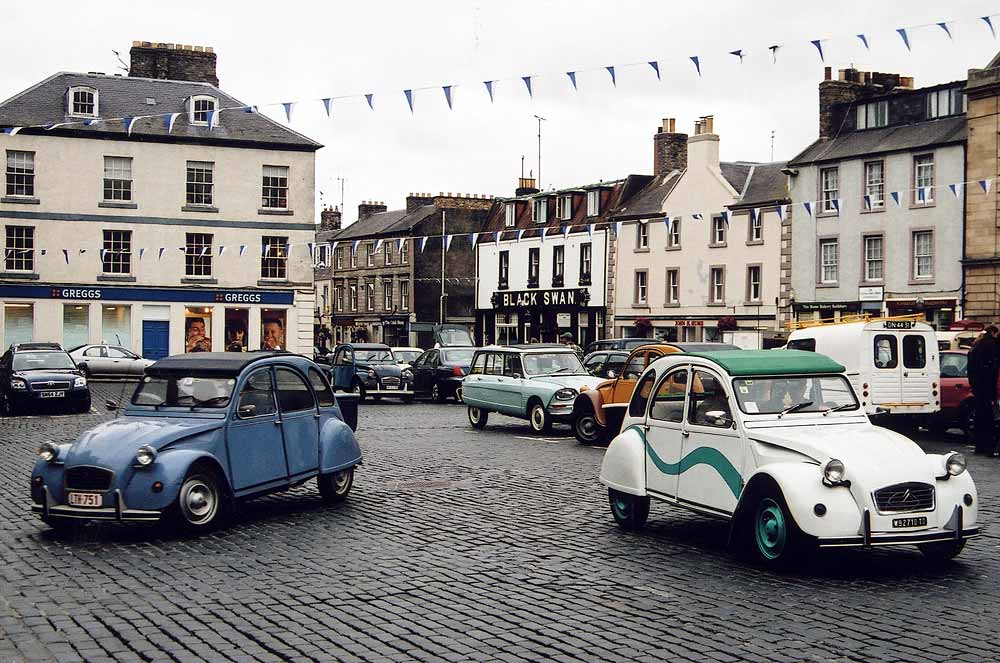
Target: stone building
{"points": [[160, 240], [329, 226]]}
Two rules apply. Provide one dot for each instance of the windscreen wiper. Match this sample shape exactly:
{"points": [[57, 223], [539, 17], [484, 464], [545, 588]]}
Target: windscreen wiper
{"points": [[794, 408]]}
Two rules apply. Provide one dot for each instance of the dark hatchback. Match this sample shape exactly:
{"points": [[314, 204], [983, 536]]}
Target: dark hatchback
{"points": [[439, 373], [36, 374]]}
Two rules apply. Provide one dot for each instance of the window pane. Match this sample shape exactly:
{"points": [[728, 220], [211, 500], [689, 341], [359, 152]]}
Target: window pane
{"points": [[19, 250], [200, 178], [885, 351], [18, 323], [640, 396], [708, 400], [914, 352], [76, 325], [259, 393], [293, 393], [116, 324], [668, 404], [275, 187], [321, 387]]}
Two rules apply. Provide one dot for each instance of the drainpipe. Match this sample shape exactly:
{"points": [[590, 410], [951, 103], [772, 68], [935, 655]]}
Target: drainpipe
{"points": [[444, 214]]}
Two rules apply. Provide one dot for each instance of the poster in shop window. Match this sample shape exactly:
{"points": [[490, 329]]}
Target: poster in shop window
{"points": [[197, 323], [272, 329], [237, 323]]}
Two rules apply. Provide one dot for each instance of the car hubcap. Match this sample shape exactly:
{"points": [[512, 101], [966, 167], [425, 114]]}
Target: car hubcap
{"points": [[620, 506], [341, 481], [770, 529], [474, 414], [199, 501], [587, 426], [537, 418]]}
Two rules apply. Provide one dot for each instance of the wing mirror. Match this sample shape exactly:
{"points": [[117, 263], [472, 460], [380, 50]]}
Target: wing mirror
{"points": [[246, 411], [719, 418], [110, 405], [82, 366], [612, 374]]}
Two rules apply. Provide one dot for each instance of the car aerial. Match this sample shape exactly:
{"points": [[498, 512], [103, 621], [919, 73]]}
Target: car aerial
{"points": [[406, 356], [200, 432], [598, 413], [777, 443], [537, 382], [626, 344], [605, 363], [439, 373], [370, 369], [957, 404], [41, 373], [108, 361]]}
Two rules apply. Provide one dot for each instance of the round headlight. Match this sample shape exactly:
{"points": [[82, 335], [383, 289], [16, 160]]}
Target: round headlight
{"points": [[407, 375], [834, 471], [371, 372], [47, 451], [18, 383], [955, 464], [145, 455]]}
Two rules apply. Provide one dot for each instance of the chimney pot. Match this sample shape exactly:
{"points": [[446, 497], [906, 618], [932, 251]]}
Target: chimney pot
{"points": [[827, 73]]}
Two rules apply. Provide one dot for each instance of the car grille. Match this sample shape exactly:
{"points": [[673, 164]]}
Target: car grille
{"points": [[390, 382], [905, 497], [52, 384], [85, 477]]}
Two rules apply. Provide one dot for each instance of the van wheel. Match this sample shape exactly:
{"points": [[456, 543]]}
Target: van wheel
{"points": [[478, 417], [334, 486], [539, 418], [774, 536], [587, 429], [629, 511], [941, 551]]}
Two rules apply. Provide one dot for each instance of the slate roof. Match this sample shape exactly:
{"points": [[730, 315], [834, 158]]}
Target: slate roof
{"points": [[124, 96], [858, 144], [648, 202], [765, 184], [384, 223], [736, 173]]}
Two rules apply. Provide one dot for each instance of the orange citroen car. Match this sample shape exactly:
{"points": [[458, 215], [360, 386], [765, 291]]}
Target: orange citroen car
{"points": [[600, 411]]}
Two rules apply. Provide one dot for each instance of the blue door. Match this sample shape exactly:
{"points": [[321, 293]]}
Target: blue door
{"points": [[299, 423], [155, 339], [256, 447]]}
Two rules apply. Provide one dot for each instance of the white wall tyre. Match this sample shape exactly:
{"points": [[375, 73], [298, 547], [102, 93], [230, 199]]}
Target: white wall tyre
{"points": [[478, 417], [539, 418], [335, 486], [629, 511]]}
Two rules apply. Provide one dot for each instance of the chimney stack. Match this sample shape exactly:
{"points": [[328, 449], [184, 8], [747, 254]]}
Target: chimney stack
{"points": [[329, 219], [415, 201], [852, 85], [173, 61], [525, 186], [670, 148], [703, 146], [368, 207]]}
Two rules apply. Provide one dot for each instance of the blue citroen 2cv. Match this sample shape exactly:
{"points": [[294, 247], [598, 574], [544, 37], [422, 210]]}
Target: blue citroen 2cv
{"points": [[202, 431]]}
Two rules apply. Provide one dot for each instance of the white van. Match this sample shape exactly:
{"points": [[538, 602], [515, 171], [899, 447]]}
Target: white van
{"points": [[893, 364]]}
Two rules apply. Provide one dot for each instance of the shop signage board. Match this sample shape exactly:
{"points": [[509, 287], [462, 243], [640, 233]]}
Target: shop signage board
{"points": [[871, 293], [541, 298], [689, 323], [136, 294]]}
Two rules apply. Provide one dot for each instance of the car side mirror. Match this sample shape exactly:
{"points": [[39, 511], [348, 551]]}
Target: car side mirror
{"points": [[612, 374], [247, 410], [82, 365], [718, 418], [110, 405]]}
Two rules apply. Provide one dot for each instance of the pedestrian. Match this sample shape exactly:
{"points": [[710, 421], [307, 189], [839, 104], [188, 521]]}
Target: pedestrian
{"points": [[984, 368], [567, 340]]}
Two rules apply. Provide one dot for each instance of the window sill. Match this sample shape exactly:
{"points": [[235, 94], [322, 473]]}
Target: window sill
{"points": [[671, 305], [641, 250], [585, 281], [200, 279], [24, 276], [116, 278], [503, 286], [275, 212], [828, 285], [110, 204], [642, 305], [717, 304], [755, 304], [272, 282], [926, 281], [824, 215], [532, 284], [673, 248], [208, 209], [874, 210], [21, 200], [922, 205], [719, 245], [871, 284], [557, 284], [755, 242]]}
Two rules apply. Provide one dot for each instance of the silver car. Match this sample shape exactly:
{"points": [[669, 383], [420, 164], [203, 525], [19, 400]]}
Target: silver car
{"points": [[108, 360]]}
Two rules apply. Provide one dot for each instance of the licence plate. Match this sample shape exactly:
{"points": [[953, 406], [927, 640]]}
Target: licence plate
{"points": [[85, 499], [910, 522], [51, 394], [392, 386]]}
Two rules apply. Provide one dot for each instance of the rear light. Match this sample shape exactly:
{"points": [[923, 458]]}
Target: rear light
{"points": [[934, 385], [864, 386], [457, 371], [934, 393], [865, 394]]}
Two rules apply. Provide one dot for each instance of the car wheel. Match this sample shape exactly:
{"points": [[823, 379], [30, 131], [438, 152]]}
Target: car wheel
{"points": [[334, 486], [436, 393], [629, 511], [200, 501], [587, 429], [478, 417], [539, 418], [773, 533], [82, 408], [359, 389], [941, 551]]}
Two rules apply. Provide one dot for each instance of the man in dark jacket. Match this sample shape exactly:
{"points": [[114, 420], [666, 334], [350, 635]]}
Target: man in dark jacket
{"points": [[984, 367]]}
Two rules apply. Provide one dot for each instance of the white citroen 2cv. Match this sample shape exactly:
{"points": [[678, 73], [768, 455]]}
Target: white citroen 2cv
{"points": [[777, 443]]}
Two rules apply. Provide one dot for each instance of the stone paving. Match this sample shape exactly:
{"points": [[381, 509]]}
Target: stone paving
{"points": [[458, 545]]}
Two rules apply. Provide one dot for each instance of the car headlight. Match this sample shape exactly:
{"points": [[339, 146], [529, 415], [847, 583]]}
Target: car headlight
{"points": [[48, 451], [18, 383], [565, 394], [80, 382], [371, 373], [407, 375], [834, 472], [145, 455], [954, 464]]}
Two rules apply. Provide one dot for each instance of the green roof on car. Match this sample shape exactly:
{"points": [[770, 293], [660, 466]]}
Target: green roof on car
{"points": [[769, 362]]}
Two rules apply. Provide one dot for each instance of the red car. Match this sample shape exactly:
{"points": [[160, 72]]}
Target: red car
{"points": [[957, 408]]}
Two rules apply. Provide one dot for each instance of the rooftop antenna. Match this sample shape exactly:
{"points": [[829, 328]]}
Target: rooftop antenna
{"points": [[341, 180], [522, 166], [540, 120], [123, 67], [772, 145]]}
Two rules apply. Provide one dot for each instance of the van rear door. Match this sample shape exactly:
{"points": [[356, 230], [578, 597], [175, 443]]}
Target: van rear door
{"points": [[887, 385], [916, 354]]}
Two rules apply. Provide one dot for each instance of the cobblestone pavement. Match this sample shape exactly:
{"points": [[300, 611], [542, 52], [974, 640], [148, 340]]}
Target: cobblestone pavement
{"points": [[459, 545]]}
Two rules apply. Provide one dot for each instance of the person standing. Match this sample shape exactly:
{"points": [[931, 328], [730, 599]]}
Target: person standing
{"points": [[567, 340], [984, 368]]}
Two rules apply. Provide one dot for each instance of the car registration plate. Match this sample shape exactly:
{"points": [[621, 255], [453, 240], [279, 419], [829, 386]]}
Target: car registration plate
{"points": [[85, 499], [51, 394], [392, 386], [909, 522]]}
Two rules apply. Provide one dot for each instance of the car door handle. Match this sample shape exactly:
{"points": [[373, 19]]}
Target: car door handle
{"points": [[277, 422], [685, 433]]}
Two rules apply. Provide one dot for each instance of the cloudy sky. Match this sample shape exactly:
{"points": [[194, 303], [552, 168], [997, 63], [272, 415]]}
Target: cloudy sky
{"points": [[295, 50]]}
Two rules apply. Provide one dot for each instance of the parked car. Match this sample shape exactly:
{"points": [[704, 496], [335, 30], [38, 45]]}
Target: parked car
{"points": [[108, 361], [406, 356], [446, 336], [598, 413], [537, 382], [201, 431], [626, 344], [34, 374], [778, 443], [370, 369], [957, 405], [439, 373], [605, 363]]}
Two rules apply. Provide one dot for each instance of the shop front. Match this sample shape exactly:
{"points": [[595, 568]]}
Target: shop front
{"points": [[154, 322], [827, 311], [938, 312], [526, 316], [396, 330]]}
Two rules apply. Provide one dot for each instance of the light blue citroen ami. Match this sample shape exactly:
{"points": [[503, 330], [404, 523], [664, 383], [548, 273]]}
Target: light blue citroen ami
{"points": [[537, 382], [201, 431]]}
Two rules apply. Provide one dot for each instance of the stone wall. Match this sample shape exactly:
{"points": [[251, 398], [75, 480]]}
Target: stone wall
{"points": [[175, 62], [982, 211]]}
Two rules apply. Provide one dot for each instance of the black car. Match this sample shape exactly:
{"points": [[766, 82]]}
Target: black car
{"points": [[41, 373], [618, 344], [439, 373], [370, 369], [606, 363]]}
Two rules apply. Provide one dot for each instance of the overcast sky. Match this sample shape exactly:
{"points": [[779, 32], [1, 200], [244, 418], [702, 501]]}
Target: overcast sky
{"points": [[292, 50]]}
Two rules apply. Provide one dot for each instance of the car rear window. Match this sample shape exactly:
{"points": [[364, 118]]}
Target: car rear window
{"points": [[886, 351], [914, 351], [808, 344]]}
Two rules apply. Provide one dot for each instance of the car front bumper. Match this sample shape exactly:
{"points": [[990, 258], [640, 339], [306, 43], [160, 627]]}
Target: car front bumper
{"points": [[561, 410], [954, 530], [74, 396], [118, 511]]}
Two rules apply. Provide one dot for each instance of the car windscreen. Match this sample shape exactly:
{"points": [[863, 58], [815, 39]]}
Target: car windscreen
{"points": [[374, 356], [407, 356], [40, 361], [808, 393], [553, 363], [463, 357], [184, 391], [454, 337]]}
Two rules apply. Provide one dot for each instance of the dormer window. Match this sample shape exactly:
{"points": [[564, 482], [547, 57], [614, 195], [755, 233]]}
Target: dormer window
{"points": [[943, 103], [510, 215], [564, 207], [875, 114], [540, 210], [593, 202], [82, 101], [200, 107]]}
